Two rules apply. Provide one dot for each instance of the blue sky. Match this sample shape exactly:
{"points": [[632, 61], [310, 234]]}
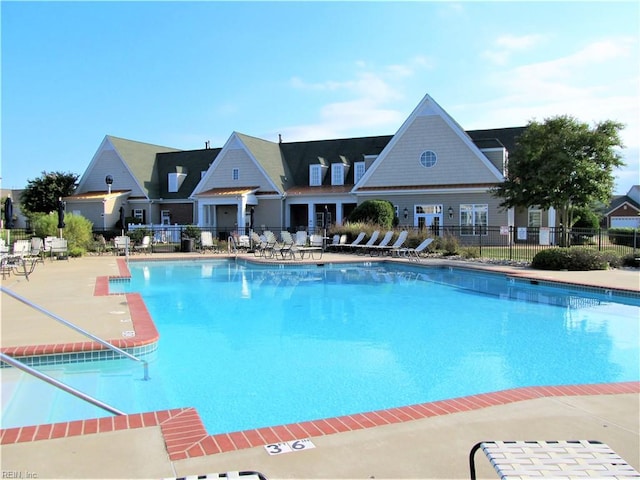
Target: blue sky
{"points": [[179, 74]]}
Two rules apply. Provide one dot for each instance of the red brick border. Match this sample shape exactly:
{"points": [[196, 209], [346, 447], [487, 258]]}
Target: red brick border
{"points": [[186, 437], [146, 331]]}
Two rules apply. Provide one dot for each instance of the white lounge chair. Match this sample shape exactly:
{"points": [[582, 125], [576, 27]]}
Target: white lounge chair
{"points": [[372, 240], [59, 248], [145, 245], [392, 249], [356, 242], [414, 253], [207, 242], [384, 243]]}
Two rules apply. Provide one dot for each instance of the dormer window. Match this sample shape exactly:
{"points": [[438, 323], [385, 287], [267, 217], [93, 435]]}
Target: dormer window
{"points": [[235, 174], [175, 181], [337, 174], [359, 169], [315, 175]]}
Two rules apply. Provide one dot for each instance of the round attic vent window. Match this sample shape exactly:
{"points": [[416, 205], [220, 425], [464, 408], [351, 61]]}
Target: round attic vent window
{"points": [[428, 159]]}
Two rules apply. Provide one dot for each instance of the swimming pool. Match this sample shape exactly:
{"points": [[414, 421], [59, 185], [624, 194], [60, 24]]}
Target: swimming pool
{"points": [[254, 345]]}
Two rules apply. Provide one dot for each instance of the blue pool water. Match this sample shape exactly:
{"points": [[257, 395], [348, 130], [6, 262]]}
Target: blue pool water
{"points": [[253, 345]]}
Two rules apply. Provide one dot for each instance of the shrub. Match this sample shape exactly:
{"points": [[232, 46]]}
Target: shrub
{"points": [[470, 252], [612, 258], [569, 259], [77, 231], [379, 212], [624, 236], [631, 260], [449, 245]]}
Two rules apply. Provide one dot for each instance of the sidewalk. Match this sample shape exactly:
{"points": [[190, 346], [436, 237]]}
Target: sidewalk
{"points": [[433, 447]]}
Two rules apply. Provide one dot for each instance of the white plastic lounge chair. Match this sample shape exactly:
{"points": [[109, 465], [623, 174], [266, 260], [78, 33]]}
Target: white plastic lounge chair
{"points": [[414, 253], [392, 249], [59, 248], [356, 242], [121, 244], [145, 245], [384, 243], [364, 247], [301, 238], [207, 242], [552, 459]]}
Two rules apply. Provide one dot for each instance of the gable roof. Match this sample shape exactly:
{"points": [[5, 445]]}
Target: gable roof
{"points": [[269, 159], [301, 155], [191, 162], [620, 200]]}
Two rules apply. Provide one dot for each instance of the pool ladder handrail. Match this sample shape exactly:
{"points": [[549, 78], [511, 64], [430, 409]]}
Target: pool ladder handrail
{"points": [[78, 329], [57, 383]]}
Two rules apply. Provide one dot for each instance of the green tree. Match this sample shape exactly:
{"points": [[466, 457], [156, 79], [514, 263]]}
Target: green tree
{"points": [[41, 195], [380, 212], [564, 164]]}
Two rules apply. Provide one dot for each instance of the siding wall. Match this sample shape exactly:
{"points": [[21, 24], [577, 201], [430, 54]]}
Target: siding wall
{"points": [[456, 164], [109, 163]]}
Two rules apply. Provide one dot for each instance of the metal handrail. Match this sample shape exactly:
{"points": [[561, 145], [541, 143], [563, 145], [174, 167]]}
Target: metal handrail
{"points": [[79, 330], [63, 386]]}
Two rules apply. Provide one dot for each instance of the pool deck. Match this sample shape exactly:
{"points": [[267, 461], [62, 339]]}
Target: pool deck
{"points": [[424, 441]]}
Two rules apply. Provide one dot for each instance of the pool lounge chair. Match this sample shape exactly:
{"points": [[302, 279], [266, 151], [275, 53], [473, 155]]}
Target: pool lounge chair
{"points": [[414, 253], [552, 459], [247, 475], [144, 246], [355, 243], [207, 243], [364, 247], [383, 249]]}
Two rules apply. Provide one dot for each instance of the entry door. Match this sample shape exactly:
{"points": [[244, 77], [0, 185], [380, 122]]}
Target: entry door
{"points": [[430, 217]]}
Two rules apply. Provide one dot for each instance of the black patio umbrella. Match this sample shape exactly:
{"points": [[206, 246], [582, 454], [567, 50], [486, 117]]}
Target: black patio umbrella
{"points": [[326, 217], [251, 218], [61, 214], [122, 219], [8, 213]]}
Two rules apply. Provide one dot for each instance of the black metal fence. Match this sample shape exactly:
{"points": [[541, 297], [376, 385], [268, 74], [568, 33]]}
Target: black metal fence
{"points": [[507, 243]]}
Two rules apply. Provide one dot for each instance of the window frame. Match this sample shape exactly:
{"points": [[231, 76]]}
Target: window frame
{"points": [[474, 219], [429, 162], [235, 173], [315, 175]]}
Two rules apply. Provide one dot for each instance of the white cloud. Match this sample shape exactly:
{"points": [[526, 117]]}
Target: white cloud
{"points": [[507, 45], [365, 109]]}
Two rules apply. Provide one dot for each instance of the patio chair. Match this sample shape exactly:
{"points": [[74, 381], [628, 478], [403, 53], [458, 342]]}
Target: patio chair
{"points": [[552, 459], [59, 248], [301, 238], [246, 475], [384, 243], [356, 242], [121, 245], [337, 242], [414, 253], [145, 245], [207, 243], [365, 247], [391, 249]]}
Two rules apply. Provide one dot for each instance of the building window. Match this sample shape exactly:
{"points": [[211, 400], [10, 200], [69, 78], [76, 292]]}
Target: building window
{"points": [[138, 213], [315, 178], [474, 219], [359, 171], [535, 218], [175, 181], [337, 174], [235, 174], [428, 159]]}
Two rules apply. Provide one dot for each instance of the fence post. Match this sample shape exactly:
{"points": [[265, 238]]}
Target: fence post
{"points": [[511, 241]]}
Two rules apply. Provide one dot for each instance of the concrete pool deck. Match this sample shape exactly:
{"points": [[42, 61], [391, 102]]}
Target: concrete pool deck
{"points": [[409, 444]]}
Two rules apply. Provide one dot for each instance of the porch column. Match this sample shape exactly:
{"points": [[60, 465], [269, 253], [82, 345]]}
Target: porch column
{"points": [[311, 220], [552, 225], [338, 219], [242, 211]]}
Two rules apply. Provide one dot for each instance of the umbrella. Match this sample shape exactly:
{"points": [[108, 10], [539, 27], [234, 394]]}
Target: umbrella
{"points": [[251, 219], [122, 219], [326, 217], [8, 213], [61, 214]]}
